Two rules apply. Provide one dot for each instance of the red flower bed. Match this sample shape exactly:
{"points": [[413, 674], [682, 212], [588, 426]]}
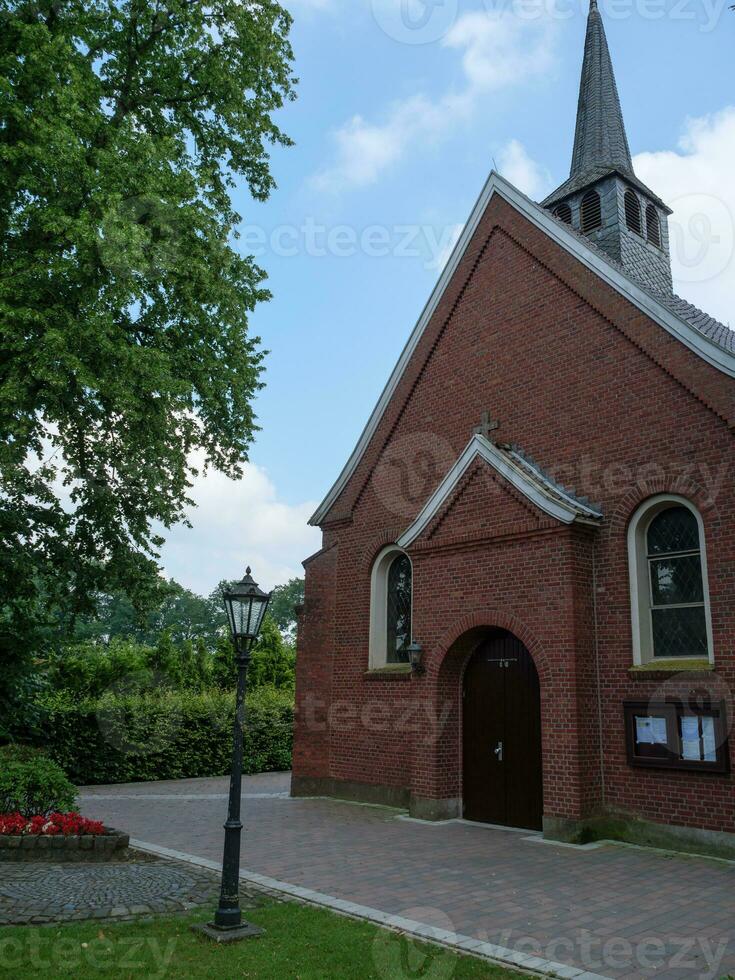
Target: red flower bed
{"points": [[64, 824]]}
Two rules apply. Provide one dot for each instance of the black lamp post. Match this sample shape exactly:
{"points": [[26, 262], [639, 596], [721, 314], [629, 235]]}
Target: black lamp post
{"points": [[246, 605]]}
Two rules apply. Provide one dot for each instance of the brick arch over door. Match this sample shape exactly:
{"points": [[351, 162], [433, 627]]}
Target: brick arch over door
{"points": [[486, 619], [437, 753]]}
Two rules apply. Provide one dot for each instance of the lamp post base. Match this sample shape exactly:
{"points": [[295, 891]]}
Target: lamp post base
{"points": [[227, 934]]}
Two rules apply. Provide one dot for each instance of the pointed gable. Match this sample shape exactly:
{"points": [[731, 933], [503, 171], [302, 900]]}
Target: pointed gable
{"points": [[482, 506], [592, 278], [469, 488]]}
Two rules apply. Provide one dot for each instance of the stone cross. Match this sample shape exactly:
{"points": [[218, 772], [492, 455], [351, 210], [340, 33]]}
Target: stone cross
{"points": [[486, 426]]}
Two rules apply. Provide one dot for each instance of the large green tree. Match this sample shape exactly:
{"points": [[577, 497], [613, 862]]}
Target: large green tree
{"points": [[282, 608], [124, 351], [180, 613]]}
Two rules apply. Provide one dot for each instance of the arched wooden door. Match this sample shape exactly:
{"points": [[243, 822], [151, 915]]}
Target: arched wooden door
{"points": [[501, 739]]}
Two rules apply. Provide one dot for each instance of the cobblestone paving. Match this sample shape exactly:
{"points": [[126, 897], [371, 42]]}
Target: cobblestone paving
{"points": [[614, 910], [43, 893]]}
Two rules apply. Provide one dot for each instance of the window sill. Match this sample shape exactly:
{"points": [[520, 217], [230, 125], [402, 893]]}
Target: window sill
{"points": [[391, 672], [672, 666]]}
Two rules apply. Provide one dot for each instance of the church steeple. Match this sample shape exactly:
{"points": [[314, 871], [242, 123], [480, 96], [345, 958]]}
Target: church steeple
{"points": [[602, 197], [599, 138]]}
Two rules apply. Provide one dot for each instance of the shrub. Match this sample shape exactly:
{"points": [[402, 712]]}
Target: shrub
{"points": [[89, 669], [165, 734], [125, 666], [32, 784], [15, 752]]}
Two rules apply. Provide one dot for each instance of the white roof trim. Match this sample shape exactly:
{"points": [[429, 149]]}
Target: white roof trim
{"points": [[558, 503], [711, 352]]}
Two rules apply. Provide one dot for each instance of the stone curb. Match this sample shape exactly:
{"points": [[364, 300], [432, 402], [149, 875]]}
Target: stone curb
{"points": [[60, 848]]}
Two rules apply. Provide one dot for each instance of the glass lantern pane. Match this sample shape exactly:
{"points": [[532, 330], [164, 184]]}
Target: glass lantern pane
{"points": [[243, 610], [679, 632], [676, 580], [672, 531], [399, 610], [230, 617], [259, 607], [239, 615]]}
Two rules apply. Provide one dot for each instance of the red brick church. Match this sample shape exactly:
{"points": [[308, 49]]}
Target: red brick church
{"points": [[523, 612]]}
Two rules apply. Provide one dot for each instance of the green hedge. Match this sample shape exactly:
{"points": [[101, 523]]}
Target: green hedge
{"points": [[164, 734]]}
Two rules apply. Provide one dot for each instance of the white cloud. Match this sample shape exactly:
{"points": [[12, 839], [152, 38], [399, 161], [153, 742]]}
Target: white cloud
{"points": [[239, 523], [501, 49], [364, 150], [697, 182], [520, 169], [498, 50]]}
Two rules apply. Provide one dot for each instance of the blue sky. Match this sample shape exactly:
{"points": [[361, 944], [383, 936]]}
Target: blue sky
{"points": [[404, 107]]}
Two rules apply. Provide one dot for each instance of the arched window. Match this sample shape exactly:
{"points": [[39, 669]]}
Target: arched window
{"points": [[391, 598], [564, 213], [653, 228], [590, 211], [398, 614], [633, 212], [669, 594]]}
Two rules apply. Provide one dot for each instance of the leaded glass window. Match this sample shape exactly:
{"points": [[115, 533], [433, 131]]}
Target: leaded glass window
{"points": [[399, 610], [678, 620]]}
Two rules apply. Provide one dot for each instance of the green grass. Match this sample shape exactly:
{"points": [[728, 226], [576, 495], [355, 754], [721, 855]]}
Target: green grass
{"points": [[299, 942]]}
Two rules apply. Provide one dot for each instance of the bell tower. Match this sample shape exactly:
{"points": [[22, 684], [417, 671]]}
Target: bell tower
{"points": [[603, 199]]}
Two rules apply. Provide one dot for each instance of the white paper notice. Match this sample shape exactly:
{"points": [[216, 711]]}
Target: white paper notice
{"points": [[690, 748], [659, 731], [650, 731], [708, 739]]}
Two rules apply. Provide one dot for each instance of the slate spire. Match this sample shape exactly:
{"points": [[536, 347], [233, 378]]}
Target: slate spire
{"points": [[602, 198], [600, 141]]}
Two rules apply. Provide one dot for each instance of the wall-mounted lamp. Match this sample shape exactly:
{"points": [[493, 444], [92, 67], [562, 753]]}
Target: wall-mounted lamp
{"points": [[415, 656]]}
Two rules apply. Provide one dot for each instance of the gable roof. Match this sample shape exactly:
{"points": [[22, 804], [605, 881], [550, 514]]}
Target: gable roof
{"points": [[682, 308], [519, 471], [710, 340]]}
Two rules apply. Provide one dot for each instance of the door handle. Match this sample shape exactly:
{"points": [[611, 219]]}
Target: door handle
{"points": [[498, 750]]}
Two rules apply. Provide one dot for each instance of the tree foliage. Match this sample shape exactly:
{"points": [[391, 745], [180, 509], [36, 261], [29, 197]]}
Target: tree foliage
{"points": [[282, 608], [125, 361], [179, 612], [273, 660]]}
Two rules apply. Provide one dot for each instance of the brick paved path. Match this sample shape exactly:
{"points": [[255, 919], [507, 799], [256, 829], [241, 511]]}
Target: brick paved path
{"points": [[612, 910]]}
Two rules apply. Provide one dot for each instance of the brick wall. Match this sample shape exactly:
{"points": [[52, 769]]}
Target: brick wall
{"points": [[617, 410], [314, 666]]}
